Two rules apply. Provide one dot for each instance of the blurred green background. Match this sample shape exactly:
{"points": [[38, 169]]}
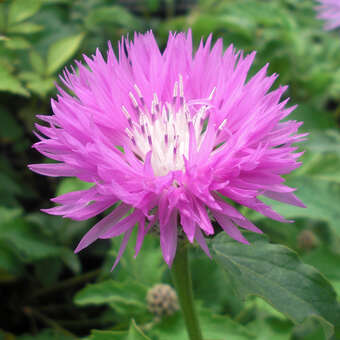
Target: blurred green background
{"points": [[44, 287]]}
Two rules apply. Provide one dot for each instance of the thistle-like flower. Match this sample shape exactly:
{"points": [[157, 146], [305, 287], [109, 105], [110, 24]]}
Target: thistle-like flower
{"points": [[329, 10], [168, 137]]}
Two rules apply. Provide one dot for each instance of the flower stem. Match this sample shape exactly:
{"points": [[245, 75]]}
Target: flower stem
{"points": [[181, 277]]}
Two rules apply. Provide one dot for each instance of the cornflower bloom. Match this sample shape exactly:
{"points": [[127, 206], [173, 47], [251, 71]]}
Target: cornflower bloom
{"points": [[329, 10], [166, 137]]}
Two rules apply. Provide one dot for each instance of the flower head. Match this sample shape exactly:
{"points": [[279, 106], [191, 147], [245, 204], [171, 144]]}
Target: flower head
{"points": [[167, 136], [329, 10]]}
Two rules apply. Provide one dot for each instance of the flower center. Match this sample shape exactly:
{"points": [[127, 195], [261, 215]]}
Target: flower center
{"points": [[166, 128]]}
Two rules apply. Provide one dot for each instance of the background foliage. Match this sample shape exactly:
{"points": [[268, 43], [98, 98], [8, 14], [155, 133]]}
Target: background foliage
{"points": [[47, 292]]}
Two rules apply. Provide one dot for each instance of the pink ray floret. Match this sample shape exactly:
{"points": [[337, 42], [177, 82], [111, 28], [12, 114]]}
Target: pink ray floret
{"points": [[329, 10], [167, 137]]}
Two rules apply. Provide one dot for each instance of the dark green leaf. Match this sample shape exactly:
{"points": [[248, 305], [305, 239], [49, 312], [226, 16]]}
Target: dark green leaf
{"points": [[10, 130], [324, 260], [108, 335], [276, 274]]}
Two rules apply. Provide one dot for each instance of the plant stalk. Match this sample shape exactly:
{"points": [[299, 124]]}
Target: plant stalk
{"points": [[181, 277]]}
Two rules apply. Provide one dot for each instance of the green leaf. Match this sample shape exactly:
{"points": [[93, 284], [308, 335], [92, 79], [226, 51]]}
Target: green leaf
{"points": [[25, 28], [130, 267], [214, 327], [17, 43], [324, 260], [317, 181], [11, 84], [10, 265], [321, 197], [10, 130], [2, 17], [270, 329], [20, 10], [41, 86], [118, 294], [114, 15], [134, 333], [26, 241], [312, 117], [37, 62], [276, 274], [70, 259], [107, 335], [61, 51], [48, 334], [72, 184]]}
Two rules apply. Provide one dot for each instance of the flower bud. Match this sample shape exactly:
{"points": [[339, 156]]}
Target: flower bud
{"points": [[307, 240], [162, 300]]}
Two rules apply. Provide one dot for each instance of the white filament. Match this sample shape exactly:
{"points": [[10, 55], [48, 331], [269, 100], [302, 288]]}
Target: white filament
{"points": [[164, 129]]}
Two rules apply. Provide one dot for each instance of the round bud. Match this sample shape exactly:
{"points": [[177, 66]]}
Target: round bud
{"points": [[307, 240], [162, 300]]}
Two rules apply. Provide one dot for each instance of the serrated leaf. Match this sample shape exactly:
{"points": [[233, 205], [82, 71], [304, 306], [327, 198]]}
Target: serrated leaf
{"points": [[25, 28], [20, 10], [11, 84], [276, 274], [214, 327], [60, 51]]}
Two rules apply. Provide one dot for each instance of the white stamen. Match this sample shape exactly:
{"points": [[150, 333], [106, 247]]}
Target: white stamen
{"points": [[220, 128], [164, 128], [127, 115], [175, 93], [139, 94], [212, 93], [133, 100]]}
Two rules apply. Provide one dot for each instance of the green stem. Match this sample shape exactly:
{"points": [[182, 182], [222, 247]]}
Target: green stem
{"points": [[181, 277]]}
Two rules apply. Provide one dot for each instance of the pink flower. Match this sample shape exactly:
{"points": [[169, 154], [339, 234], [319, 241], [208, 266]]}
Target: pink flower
{"points": [[167, 136], [329, 10]]}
